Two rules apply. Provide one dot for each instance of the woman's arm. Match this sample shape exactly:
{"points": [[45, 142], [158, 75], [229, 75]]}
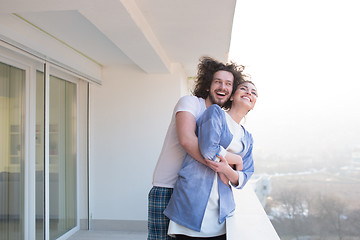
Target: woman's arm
{"points": [[226, 173], [210, 131], [185, 127], [248, 164], [210, 128]]}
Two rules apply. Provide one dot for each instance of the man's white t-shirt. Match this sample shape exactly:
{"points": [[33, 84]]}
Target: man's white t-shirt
{"points": [[172, 154]]}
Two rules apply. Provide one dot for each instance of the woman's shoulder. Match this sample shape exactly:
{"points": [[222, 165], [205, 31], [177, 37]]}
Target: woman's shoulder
{"points": [[213, 112], [215, 108], [247, 134]]}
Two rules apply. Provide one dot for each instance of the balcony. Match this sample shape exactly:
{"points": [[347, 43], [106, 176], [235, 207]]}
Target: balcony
{"points": [[250, 216]]}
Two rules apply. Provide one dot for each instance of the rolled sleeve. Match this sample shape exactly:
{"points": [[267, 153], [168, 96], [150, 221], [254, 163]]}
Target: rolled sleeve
{"points": [[248, 164], [221, 153], [241, 180]]}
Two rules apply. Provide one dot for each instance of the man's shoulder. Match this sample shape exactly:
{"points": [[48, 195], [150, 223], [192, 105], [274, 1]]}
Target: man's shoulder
{"points": [[191, 101], [195, 105]]}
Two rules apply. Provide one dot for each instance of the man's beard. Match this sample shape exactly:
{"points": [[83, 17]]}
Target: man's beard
{"points": [[219, 102]]}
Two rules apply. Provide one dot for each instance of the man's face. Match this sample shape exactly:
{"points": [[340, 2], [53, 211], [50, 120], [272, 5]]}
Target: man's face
{"points": [[221, 87]]}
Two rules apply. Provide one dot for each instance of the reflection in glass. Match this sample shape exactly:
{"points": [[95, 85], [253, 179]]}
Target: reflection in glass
{"points": [[62, 159], [12, 147]]}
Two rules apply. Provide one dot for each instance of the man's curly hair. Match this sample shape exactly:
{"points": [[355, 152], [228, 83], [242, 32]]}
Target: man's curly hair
{"points": [[206, 70]]}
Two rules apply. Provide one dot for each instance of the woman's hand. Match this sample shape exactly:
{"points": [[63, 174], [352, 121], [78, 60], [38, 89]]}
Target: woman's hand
{"points": [[218, 167], [225, 171], [234, 159]]}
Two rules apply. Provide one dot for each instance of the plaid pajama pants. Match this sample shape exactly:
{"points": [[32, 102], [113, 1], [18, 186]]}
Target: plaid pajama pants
{"points": [[158, 223]]}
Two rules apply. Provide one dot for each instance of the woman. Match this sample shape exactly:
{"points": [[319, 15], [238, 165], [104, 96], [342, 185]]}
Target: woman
{"points": [[201, 202]]}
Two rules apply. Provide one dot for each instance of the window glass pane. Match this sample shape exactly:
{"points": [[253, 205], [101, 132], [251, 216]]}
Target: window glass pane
{"points": [[62, 159], [39, 162], [12, 151]]}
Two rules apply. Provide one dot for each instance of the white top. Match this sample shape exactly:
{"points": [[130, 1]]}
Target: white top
{"points": [[210, 226], [237, 131], [172, 154]]}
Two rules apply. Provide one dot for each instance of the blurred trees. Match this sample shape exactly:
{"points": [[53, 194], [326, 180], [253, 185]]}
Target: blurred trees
{"points": [[296, 213]]}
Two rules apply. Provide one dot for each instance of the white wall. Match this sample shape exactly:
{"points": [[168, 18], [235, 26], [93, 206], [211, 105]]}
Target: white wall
{"points": [[82, 150], [130, 114]]}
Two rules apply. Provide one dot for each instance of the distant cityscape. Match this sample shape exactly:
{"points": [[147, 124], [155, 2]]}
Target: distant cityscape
{"points": [[333, 177]]}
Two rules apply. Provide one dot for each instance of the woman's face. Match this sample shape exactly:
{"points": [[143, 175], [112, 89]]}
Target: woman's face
{"points": [[246, 94]]}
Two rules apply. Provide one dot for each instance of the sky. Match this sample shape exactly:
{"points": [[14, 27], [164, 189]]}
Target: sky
{"points": [[304, 58]]}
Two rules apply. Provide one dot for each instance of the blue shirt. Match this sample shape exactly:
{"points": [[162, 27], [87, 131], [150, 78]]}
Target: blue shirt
{"points": [[193, 186]]}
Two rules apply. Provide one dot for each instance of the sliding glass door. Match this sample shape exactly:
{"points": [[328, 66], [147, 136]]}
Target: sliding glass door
{"points": [[38, 151], [62, 156], [62, 159], [12, 151]]}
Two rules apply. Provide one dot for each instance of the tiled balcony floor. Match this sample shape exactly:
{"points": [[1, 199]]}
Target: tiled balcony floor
{"points": [[108, 235]]}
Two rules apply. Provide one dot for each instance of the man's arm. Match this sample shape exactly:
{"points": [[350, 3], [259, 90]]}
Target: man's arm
{"points": [[185, 127]]}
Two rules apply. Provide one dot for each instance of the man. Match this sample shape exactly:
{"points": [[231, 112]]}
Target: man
{"points": [[215, 83]]}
